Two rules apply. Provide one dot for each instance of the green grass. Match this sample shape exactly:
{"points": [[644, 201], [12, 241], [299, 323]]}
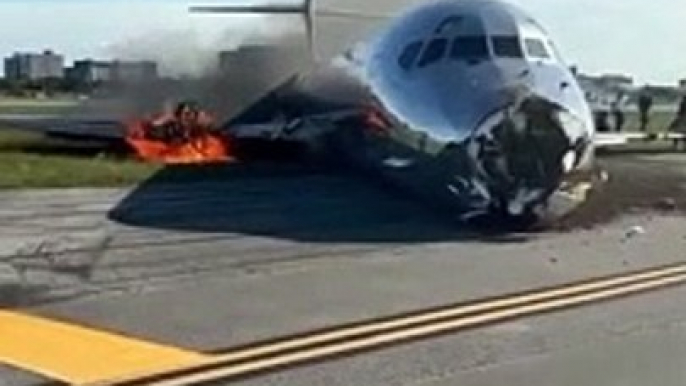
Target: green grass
{"points": [[659, 122], [21, 106], [32, 161]]}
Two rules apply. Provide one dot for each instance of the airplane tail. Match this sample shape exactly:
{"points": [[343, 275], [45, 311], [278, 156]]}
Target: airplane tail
{"points": [[306, 9]]}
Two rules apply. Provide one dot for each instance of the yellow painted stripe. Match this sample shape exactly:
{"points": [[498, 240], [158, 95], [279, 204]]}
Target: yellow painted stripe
{"points": [[326, 351], [375, 334], [79, 355], [483, 306]]}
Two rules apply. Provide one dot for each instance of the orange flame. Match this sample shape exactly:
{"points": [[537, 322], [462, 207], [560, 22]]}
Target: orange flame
{"points": [[190, 145]]}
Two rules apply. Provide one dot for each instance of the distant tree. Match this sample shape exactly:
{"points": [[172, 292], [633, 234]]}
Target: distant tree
{"points": [[5, 84], [71, 85]]}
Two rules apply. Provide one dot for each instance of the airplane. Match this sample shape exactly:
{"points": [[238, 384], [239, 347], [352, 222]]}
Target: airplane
{"points": [[467, 103]]}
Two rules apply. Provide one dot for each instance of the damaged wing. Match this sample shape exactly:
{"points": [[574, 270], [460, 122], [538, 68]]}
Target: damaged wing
{"points": [[100, 130]]}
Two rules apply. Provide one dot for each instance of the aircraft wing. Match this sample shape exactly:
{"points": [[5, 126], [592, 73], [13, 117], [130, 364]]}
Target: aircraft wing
{"points": [[101, 130], [302, 129], [112, 130]]}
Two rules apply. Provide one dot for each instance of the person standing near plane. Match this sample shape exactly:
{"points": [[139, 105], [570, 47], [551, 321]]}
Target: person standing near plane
{"points": [[600, 110], [617, 112], [678, 125], [645, 103]]}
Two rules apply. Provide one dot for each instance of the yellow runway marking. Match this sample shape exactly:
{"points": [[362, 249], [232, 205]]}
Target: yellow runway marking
{"points": [[327, 351], [267, 357], [448, 312], [78, 355]]}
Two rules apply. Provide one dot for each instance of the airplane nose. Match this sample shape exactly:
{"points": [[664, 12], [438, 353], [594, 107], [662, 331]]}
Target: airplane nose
{"points": [[523, 152]]}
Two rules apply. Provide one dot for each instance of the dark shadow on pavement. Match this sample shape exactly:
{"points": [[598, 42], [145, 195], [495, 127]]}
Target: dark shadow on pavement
{"points": [[299, 201]]}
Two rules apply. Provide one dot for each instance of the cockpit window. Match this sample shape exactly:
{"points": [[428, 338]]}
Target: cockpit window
{"points": [[469, 48], [409, 55], [536, 49], [434, 52], [507, 47], [449, 25]]}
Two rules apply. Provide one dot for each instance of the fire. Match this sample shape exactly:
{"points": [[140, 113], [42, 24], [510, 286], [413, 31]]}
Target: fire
{"points": [[186, 136]]}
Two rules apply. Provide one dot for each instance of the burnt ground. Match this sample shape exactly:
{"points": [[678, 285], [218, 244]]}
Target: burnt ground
{"points": [[641, 180]]}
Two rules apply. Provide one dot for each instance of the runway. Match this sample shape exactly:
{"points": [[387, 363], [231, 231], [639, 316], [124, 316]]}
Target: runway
{"points": [[257, 253]]}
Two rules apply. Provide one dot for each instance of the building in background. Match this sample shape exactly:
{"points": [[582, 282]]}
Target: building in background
{"points": [[90, 72], [34, 66], [94, 72], [249, 58], [618, 81], [131, 72], [682, 84]]}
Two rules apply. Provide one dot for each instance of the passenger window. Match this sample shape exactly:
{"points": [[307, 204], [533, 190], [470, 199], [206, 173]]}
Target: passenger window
{"points": [[409, 55], [469, 48], [536, 49], [433, 52], [507, 47]]}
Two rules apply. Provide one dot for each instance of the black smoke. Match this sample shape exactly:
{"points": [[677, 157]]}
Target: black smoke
{"points": [[192, 72]]}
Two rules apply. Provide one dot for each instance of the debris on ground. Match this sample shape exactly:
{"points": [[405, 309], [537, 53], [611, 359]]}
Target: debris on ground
{"points": [[666, 205], [635, 231], [635, 187]]}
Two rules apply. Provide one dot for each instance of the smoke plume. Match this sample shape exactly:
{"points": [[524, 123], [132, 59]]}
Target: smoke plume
{"points": [[189, 65]]}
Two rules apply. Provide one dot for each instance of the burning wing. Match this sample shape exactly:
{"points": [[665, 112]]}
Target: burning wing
{"points": [[100, 130]]}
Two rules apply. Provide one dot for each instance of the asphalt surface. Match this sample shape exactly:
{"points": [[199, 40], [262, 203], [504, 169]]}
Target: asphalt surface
{"points": [[13, 377], [253, 253], [638, 341]]}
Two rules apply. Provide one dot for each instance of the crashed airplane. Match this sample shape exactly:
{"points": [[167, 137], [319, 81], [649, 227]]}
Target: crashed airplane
{"points": [[467, 102]]}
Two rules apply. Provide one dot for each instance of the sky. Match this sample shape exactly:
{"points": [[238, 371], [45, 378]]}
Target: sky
{"points": [[643, 38]]}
